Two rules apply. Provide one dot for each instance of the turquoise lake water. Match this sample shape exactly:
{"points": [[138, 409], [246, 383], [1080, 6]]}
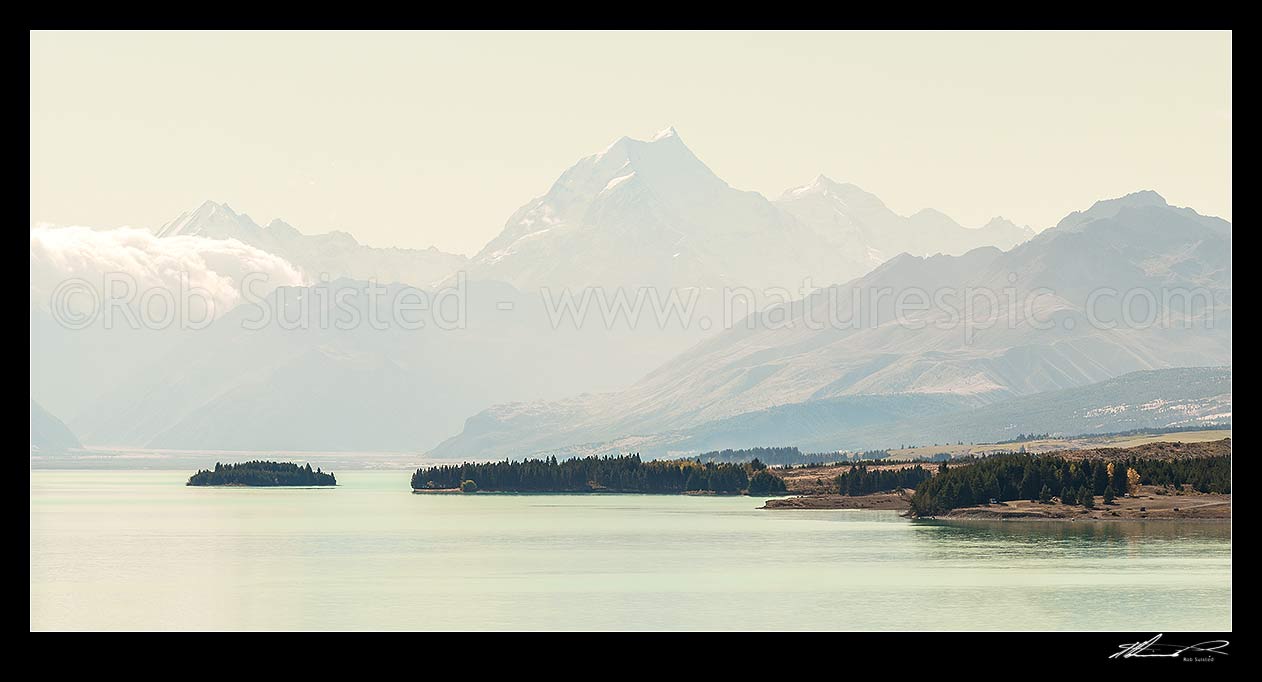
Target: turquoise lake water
{"points": [[137, 550]]}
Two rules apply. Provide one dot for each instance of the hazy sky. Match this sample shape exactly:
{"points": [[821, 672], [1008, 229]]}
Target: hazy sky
{"points": [[413, 139]]}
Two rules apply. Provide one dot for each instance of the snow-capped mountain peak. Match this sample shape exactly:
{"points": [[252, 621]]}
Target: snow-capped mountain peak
{"points": [[662, 156], [858, 222], [667, 132], [335, 253], [742, 375], [844, 196], [647, 212], [213, 220], [280, 227], [819, 185]]}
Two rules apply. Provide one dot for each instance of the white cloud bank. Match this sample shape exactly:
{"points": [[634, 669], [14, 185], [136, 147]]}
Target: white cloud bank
{"points": [[214, 266]]}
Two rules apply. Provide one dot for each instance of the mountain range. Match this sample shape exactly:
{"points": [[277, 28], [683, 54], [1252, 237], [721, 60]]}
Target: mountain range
{"points": [[1052, 324], [640, 213], [1166, 398], [648, 213], [333, 254], [327, 387], [855, 221]]}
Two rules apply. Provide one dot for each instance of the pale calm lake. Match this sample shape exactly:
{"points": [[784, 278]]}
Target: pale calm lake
{"points": [[137, 550]]}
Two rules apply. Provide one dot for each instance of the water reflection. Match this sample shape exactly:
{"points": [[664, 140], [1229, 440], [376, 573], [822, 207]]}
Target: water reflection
{"points": [[139, 550], [945, 539], [1096, 532]]}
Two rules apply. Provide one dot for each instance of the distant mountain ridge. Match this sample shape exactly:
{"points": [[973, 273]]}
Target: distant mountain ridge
{"points": [[650, 213], [1167, 398], [322, 387], [1134, 244], [335, 254], [640, 213], [857, 221], [48, 433]]}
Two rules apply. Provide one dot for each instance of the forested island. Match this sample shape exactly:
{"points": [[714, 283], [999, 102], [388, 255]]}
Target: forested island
{"points": [[621, 474], [262, 474]]}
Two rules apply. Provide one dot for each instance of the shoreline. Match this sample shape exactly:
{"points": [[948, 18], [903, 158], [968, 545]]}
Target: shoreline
{"points": [[1147, 505], [689, 493], [817, 487], [877, 501], [1215, 511], [247, 485], [1064, 519]]}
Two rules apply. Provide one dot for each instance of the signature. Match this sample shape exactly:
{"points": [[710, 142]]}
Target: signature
{"points": [[1154, 649]]}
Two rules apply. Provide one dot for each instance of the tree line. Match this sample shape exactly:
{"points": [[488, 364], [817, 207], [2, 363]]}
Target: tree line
{"points": [[860, 480], [260, 473], [618, 473], [788, 456], [767, 455], [1041, 478]]}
